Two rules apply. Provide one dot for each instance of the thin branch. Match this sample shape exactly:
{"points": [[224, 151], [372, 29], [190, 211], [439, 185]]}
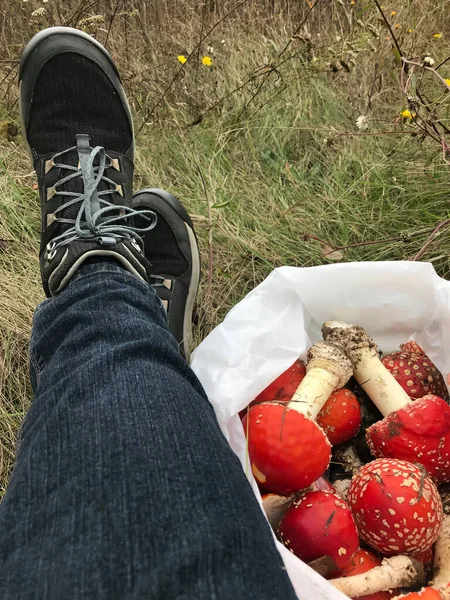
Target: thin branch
{"points": [[394, 39], [273, 68], [298, 28], [426, 68], [210, 238], [202, 28], [181, 69], [58, 10], [405, 238], [443, 62], [443, 224], [113, 16]]}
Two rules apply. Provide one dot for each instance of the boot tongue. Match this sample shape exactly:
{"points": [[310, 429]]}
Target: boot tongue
{"points": [[79, 157], [84, 157]]}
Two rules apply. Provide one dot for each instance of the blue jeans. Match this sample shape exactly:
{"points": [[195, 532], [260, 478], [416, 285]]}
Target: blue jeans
{"points": [[124, 486]]}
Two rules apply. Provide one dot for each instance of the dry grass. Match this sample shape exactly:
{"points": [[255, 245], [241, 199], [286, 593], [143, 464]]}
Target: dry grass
{"points": [[270, 131]]}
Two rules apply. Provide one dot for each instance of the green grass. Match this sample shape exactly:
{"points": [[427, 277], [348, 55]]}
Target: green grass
{"points": [[284, 174]]}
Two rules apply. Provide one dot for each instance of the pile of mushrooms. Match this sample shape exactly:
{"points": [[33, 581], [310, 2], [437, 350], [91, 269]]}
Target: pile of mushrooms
{"points": [[373, 535]]}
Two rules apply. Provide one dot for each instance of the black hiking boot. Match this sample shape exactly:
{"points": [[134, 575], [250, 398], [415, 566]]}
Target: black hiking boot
{"points": [[77, 124], [171, 248]]}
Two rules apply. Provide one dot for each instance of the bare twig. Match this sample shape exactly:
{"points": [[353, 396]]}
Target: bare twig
{"points": [[113, 16], [181, 69], [405, 69], [210, 238], [197, 66], [58, 10], [405, 238], [298, 28], [442, 225], [388, 25], [273, 68]]}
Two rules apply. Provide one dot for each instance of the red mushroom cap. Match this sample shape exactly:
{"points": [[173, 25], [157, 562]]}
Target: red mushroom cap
{"points": [[340, 416], [412, 347], [439, 387], [417, 375], [320, 524], [287, 450], [283, 387], [419, 433], [397, 508], [427, 593], [361, 562]]}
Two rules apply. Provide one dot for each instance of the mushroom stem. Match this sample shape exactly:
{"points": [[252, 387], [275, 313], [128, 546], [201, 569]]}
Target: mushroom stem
{"points": [[341, 486], [348, 458], [378, 383], [324, 565], [398, 571], [328, 368], [275, 506]]}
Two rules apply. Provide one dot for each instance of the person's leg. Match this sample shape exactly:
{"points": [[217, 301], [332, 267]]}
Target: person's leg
{"points": [[124, 486]]}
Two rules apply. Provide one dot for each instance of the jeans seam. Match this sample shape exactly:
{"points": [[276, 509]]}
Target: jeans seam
{"points": [[35, 364]]}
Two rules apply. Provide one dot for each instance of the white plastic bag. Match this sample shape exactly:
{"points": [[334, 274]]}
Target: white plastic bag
{"points": [[281, 318]]}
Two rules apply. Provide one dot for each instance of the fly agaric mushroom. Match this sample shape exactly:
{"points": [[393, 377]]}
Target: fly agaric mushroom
{"points": [[275, 506], [441, 576], [397, 508], [415, 372], [362, 562], [398, 571], [426, 593], [416, 431], [440, 389], [287, 449], [340, 416], [419, 433], [320, 524], [283, 387]]}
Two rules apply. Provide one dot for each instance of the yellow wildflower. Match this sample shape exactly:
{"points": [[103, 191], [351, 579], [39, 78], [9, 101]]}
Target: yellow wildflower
{"points": [[407, 114], [397, 26], [410, 30], [447, 81], [437, 36], [182, 59], [393, 13], [352, 3], [207, 61]]}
